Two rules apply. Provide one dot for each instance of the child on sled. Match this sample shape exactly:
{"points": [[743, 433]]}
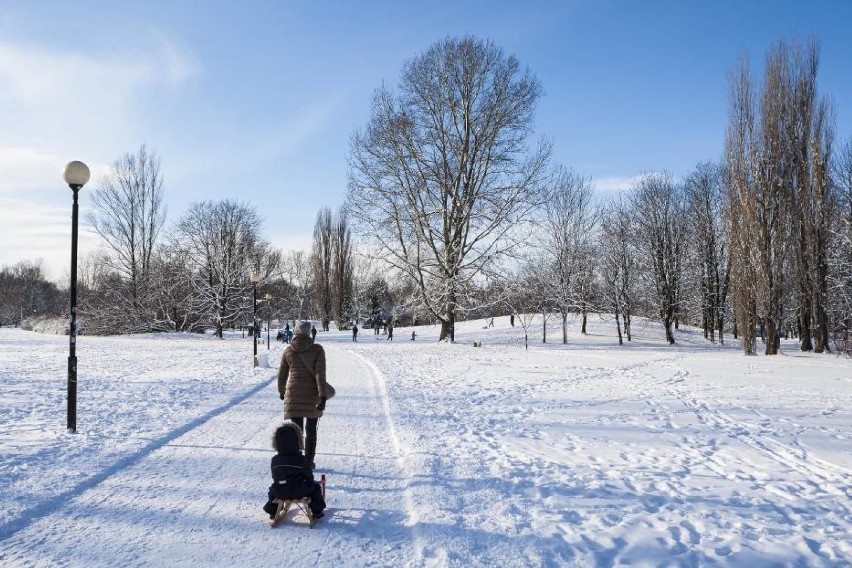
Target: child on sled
{"points": [[292, 477]]}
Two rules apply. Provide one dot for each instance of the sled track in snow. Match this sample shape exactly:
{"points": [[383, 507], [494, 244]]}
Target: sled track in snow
{"points": [[410, 509]]}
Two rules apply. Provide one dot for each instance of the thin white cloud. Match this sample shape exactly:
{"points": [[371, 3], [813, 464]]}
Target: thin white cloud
{"points": [[620, 184], [31, 230], [615, 184], [300, 127], [29, 170], [56, 99]]}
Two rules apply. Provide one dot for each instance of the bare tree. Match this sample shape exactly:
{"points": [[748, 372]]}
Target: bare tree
{"points": [[809, 134], [741, 158], [840, 253], [617, 261], [819, 186], [296, 270], [221, 242], [658, 213], [341, 270], [522, 297], [708, 244], [128, 213], [569, 224], [321, 265], [442, 177]]}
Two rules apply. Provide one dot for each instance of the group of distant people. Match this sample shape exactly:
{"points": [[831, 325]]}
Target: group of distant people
{"points": [[286, 335], [378, 325]]}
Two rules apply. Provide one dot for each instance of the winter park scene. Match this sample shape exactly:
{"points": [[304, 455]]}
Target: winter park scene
{"points": [[390, 284]]}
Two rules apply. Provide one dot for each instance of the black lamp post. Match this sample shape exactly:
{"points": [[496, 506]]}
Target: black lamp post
{"points": [[255, 278], [268, 299], [75, 174]]}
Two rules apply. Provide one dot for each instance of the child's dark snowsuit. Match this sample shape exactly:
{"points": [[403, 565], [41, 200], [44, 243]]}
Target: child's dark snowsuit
{"points": [[292, 477]]}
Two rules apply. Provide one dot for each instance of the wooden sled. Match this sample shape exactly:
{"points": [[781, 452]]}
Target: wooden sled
{"points": [[303, 505], [284, 505]]}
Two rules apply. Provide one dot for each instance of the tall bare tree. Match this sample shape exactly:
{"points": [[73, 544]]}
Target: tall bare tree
{"points": [[704, 194], [341, 269], [778, 154], [660, 225], [128, 213], [840, 252], [442, 177], [570, 220], [617, 263], [296, 270], [322, 256]]}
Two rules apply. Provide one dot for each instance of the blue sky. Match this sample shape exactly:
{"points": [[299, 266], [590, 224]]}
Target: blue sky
{"points": [[257, 100]]}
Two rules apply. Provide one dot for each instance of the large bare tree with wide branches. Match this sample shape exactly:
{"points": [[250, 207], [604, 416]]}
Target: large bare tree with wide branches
{"points": [[443, 176]]}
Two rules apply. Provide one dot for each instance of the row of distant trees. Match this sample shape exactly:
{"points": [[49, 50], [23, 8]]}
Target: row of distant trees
{"points": [[197, 272], [460, 214], [25, 292]]}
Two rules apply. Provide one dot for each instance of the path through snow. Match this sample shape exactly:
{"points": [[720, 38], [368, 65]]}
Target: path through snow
{"points": [[583, 454], [193, 497]]}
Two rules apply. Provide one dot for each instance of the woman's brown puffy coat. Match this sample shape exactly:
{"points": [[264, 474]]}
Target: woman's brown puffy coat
{"points": [[301, 378]]}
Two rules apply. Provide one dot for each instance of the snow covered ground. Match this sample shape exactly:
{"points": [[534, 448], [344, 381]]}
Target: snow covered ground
{"points": [[585, 454]]}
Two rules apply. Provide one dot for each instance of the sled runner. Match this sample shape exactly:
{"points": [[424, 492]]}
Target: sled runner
{"points": [[303, 505]]}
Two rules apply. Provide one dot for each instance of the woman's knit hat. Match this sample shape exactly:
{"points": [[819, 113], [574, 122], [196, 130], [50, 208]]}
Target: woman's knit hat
{"points": [[303, 328]]}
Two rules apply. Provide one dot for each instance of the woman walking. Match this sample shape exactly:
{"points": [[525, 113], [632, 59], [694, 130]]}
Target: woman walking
{"points": [[302, 385]]}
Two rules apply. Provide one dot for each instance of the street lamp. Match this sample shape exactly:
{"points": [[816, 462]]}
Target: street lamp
{"points": [[268, 298], [255, 278], [75, 174]]}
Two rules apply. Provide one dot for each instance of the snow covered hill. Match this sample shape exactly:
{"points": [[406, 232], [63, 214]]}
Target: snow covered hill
{"points": [[585, 454]]}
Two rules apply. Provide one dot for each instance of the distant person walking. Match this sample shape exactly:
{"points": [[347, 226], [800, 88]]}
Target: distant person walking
{"points": [[313, 332], [355, 332], [390, 332], [413, 335], [302, 385]]}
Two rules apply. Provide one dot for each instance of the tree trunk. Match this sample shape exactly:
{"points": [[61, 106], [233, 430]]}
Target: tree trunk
{"points": [[773, 338], [667, 323], [564, 328], [448, 332], [618, 327], [720, 322], [805, 331]]}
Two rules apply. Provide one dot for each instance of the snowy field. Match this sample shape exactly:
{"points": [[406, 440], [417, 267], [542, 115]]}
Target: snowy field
{"points": [[586, 454]]}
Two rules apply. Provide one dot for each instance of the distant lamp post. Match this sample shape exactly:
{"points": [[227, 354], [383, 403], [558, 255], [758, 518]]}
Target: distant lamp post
{"points": [[75, 174], [255, 278], [268, 299]]}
